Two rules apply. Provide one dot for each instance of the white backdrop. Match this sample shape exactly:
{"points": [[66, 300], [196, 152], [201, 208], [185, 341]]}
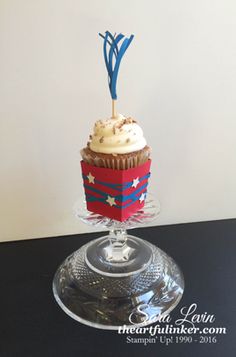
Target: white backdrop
{"points": [[178, 79]]}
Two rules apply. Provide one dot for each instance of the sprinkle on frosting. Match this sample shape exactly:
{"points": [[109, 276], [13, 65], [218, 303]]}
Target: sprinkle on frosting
{"points": [[119, 135]]}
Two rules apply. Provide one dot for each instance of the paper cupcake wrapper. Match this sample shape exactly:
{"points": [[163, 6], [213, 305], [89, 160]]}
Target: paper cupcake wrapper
{"points": [[116, 194]]}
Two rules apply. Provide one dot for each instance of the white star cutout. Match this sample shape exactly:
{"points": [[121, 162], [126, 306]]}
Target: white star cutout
{"points": [[142, 197], [111, 200], [135, 182], [90, 178]]}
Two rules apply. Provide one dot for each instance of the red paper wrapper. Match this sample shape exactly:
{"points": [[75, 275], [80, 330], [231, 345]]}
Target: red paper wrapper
{"points": [[116, 194]]}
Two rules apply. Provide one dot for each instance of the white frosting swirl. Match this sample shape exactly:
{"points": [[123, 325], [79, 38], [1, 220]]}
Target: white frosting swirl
{"points": [[117, 135]]}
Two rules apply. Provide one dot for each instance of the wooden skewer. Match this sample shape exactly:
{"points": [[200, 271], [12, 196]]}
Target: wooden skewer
{"points": [[113, 108]]}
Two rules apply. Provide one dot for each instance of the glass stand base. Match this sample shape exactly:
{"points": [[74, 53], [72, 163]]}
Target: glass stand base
{"points": [[109, 283]]}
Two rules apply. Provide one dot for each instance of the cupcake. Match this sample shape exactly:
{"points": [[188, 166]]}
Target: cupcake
{"points": [[116, 167], [116, 143], [116, 161]]}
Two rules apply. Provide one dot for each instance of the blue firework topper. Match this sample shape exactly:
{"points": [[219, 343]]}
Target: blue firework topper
{"points": [[118, 46]]}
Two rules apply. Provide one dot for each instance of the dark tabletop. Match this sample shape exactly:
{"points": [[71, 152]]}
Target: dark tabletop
{"points": [[33, 325]]}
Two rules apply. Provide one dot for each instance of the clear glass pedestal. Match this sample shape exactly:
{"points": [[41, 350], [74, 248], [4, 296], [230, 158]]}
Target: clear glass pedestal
{"points": [[118, 279]]}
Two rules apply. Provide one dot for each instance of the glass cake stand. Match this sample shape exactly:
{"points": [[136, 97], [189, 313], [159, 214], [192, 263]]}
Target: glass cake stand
{"points": [[118, 279]]}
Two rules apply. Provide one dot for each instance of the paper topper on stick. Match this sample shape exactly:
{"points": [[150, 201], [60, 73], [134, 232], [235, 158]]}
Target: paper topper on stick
{"points": [[118, 46]]}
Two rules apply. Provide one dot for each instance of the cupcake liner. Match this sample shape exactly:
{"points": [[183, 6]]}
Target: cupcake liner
{"points": [[116, 162]]}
